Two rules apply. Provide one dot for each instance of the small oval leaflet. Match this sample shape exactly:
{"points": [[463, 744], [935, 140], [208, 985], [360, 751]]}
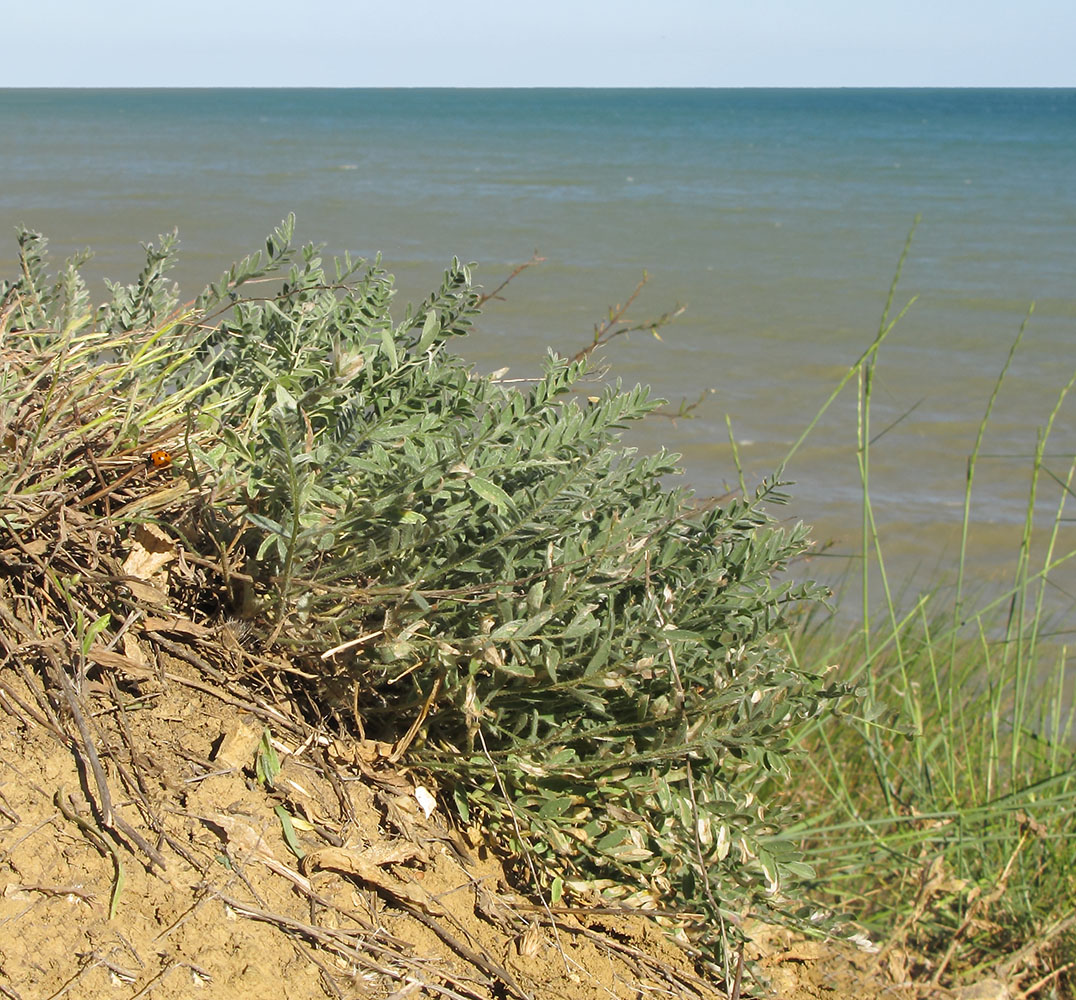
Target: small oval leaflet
{"points": [[491, 493]]}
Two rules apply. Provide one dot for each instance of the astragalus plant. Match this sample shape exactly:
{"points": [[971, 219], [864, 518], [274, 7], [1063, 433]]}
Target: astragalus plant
{"points": [[586, 663]]}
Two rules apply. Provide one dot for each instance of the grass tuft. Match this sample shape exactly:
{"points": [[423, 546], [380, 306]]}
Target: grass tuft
{"points": [[940, 811]]}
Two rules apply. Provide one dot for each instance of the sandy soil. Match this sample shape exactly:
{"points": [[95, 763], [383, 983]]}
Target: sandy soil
{"points": [[188, 886]]}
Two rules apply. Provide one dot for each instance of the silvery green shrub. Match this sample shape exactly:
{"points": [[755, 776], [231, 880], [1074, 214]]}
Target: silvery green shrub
{"points": [[594, 660]]}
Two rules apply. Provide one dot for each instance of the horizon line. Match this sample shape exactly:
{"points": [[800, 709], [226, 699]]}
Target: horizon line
{"points": [[625, 87]]}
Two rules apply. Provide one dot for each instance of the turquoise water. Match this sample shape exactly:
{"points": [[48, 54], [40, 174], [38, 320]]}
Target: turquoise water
{"points": [[776, 216]]}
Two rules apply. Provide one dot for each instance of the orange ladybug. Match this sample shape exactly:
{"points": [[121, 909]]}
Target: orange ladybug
{"points": [[159, 458]]}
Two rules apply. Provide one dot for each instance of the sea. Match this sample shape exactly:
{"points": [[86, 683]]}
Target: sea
{"points": [[776, 218]]}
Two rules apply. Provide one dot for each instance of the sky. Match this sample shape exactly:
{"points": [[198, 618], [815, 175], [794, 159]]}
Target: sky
{"points": [[507, 43]]}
